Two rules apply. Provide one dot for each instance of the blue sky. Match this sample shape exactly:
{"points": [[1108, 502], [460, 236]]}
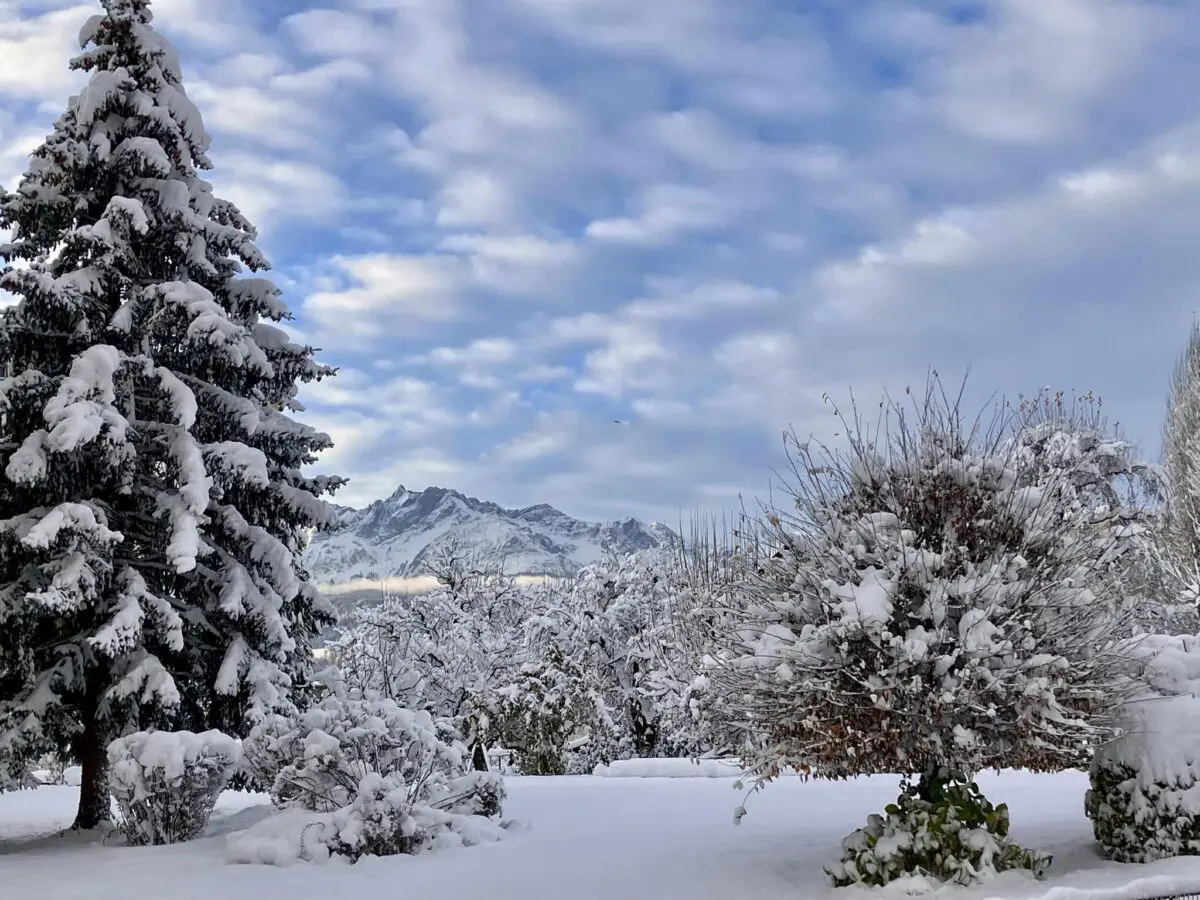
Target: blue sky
{"points": [[514, 221]]}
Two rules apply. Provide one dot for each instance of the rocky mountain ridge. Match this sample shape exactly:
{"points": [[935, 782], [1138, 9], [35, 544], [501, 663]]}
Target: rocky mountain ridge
{"points": [[393, 538]]}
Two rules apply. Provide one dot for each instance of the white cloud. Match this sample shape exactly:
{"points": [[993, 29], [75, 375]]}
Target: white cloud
{"points": [[552, 434], [405, 405], [673, 299], [1030, 71], [664, 212], [485, 126], [259, 102], [747, 56], [600, 252], [631, 359], [519, 264], [334, 33], [35, 50], [484, 350], [545, 373], [14, 153], [657, 408], [474, 197], [1061, 226], [268, 189], [387, 294]]}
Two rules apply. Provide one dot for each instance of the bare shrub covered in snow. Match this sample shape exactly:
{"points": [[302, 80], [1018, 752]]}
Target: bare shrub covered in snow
{"points": [[449, 650], [1116, 500], [926, 607], [381, 778], [622, 627], [1144, 785], [166, 783]]}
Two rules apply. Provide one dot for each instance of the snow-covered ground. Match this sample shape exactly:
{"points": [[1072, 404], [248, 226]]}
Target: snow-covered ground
{"points": [[615, 838]]}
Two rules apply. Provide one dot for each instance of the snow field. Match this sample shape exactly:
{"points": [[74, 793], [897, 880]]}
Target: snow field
{"points": [[631, 837]]}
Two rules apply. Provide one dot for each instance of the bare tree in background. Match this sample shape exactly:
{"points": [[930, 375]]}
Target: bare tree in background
{"points": [[1181, 459]]}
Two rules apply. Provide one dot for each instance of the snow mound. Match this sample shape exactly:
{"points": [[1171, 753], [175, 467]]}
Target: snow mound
{"points": [[293, 835], [670, 768], [1163, 720], [300, 835]]}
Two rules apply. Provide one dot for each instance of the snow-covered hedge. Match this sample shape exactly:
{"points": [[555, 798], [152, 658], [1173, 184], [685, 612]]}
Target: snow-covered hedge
{"points": [[952, 834], [1144, 801], [166, 783], [378, 778]]}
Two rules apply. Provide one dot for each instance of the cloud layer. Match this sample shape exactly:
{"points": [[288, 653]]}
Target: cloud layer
{"points": [[600, 253]]}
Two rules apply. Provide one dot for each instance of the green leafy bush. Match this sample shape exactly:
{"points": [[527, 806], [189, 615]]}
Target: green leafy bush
{"points": [[941, 828], [1137, 819]]}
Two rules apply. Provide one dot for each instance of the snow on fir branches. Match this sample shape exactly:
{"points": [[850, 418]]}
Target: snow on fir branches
{"points": [[152, 500]]}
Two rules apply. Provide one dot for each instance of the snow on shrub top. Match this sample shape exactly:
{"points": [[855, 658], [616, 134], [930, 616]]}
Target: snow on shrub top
{"points": [[319, 759], [1161, 725], [170, 752]]}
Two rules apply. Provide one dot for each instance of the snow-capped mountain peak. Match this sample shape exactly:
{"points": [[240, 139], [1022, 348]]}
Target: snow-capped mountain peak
{"points": [[392, 538]]}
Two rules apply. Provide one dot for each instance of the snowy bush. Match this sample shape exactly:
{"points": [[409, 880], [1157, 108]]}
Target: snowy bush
{"points": [[1115, 499], [619, 628], [383, 821], [379, 822], [551, 713], [463, 649], [166, 783], [944, 829], [1144, 784], [929, 605], [50, 769], [923, 608], [381, 778], [17, 778], [449, 650]]}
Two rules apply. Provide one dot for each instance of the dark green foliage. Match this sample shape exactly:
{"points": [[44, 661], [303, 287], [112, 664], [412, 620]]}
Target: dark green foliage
{"points": [[941, 828], [1138, 820], [536, 717]]}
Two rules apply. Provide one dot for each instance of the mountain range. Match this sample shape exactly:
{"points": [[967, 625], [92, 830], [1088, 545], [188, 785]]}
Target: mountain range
{"points": [[393, 538]]}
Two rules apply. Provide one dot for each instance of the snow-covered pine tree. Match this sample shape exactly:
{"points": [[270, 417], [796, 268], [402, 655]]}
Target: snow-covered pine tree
{"points": [[151, 497]]}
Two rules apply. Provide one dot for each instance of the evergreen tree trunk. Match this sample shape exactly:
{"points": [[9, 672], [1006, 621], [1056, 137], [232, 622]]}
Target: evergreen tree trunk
{"points": [[95, 804]]}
